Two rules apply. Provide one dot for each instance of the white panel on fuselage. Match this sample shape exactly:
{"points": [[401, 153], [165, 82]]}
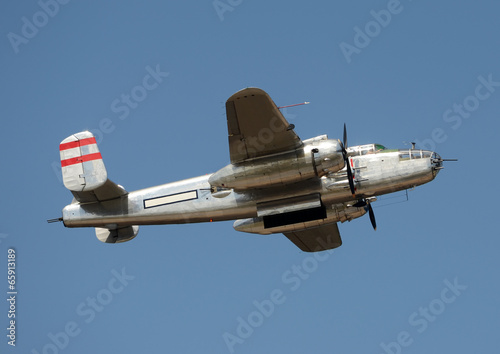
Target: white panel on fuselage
{"points": [[169, 199]]}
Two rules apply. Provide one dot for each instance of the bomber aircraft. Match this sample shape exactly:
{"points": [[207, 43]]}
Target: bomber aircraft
{"points": [[275, 183]]}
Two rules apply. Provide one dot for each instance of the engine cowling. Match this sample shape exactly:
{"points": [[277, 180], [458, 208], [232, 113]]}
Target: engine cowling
{"points": [[315, 159]]}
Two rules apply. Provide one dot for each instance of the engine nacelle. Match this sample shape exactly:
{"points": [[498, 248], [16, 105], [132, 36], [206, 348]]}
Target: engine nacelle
{"points": [[314, 159]]}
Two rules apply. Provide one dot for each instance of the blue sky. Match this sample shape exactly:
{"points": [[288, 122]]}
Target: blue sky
{"points": [[422, 71]]}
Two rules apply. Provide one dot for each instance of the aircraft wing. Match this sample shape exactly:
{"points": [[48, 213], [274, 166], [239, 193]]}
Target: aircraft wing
{"points": [[256, 127], [316, 239]]}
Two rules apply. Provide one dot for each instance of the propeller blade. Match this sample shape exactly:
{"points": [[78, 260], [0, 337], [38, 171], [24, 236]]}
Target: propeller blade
{"points": [[345, 137], [372, 216], [349, 177], [343, 145]]}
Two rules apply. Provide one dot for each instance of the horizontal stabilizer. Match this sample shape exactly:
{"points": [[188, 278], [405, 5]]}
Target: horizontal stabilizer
{"points": [[120, 234], [109, 190]]}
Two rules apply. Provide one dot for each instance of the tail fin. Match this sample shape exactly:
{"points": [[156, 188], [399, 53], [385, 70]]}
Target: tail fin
{"points": [[84, 174], [81, 162], [83, 170]]}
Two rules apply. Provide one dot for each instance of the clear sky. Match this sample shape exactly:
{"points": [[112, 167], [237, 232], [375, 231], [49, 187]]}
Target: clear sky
{"points": [[425, 282]]}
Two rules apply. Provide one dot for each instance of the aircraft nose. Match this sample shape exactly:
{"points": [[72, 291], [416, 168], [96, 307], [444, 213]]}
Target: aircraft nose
{"points": [[436, 163]]}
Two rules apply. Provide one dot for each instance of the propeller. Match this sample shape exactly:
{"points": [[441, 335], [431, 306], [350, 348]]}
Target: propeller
{"points": [[361, 202], [343, 145], [372, 217], [367, 205]]}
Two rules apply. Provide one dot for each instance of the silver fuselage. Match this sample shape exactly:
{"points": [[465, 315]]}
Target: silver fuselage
{"points": [[193, 200]]}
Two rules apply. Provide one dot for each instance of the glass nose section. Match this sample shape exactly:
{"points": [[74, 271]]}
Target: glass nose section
{"points": [[436, 161]]}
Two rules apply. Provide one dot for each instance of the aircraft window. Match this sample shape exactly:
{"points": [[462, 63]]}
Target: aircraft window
{"points": [[353, 151], [404, 155], [426, 153], [416, 154], [367, 149]]}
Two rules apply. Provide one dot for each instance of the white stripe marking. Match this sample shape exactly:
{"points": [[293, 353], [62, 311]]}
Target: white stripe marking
{"points": [[169, 199], [70, 153], [78, 151]]}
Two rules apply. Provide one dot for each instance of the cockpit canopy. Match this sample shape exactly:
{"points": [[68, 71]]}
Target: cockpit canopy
{"points": [[365, 149], [408, 154], [404, 154]]}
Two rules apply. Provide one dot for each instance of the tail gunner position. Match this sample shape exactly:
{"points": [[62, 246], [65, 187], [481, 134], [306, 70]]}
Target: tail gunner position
{"points": [[275, 183]]}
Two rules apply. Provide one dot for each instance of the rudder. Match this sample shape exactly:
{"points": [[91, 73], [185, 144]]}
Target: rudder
{"points": [[81, 162]]}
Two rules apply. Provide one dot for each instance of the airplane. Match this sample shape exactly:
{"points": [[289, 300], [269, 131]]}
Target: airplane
{"points": [[275, 183]]}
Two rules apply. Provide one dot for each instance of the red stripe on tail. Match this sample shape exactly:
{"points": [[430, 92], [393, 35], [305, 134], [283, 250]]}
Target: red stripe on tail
{"points": [[80, 159], [74, 144]]}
